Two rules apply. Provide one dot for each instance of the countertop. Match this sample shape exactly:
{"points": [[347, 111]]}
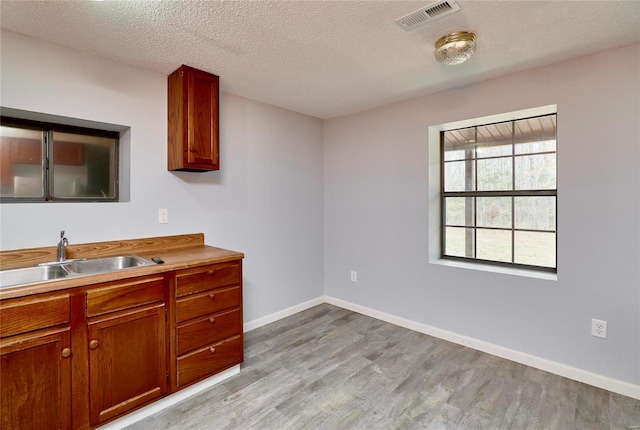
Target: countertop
{"points": [[187, 253]]}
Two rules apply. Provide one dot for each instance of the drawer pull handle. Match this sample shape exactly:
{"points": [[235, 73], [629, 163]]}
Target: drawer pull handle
{"points": [[212, 272], [93, 344], [212, 320], [212, 350], [212, 296], [66, 353]]}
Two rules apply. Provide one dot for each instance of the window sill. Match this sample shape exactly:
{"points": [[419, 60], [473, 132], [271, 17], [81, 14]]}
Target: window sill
{"points": [[497, 269]]}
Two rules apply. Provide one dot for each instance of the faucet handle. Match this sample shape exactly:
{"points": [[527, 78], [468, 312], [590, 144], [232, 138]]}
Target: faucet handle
{"points": [[61, 234]]}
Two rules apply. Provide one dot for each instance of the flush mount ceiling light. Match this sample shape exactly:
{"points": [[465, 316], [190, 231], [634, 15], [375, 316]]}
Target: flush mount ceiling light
{"points": [[455, 48]]}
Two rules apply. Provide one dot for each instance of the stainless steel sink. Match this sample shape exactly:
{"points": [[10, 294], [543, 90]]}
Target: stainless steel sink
{"points": [[70, 268], [29, 275], [107, 264]]}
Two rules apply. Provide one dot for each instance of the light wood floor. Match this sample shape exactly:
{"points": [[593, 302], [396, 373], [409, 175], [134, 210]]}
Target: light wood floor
{"points": [[329, 368]]}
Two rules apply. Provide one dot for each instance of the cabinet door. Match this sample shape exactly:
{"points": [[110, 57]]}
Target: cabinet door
{"points": [[35, 371], [202, 117], [69, 153], [127, 361]]}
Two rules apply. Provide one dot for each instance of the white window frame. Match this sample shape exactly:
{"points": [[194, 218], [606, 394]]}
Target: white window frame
{"points": [[435, 193]]}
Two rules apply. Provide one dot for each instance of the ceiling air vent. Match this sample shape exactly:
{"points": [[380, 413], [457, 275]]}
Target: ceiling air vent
{"points": [[427, 14]]}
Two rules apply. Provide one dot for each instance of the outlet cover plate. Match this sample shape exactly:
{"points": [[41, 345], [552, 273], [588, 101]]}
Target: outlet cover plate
{"points": [[599, 328]]}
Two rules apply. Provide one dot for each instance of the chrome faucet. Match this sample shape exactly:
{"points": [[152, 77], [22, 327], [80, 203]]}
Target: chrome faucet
{"points": [[62, 247]]}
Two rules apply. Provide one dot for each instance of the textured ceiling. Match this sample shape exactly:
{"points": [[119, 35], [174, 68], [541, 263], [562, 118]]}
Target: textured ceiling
{"points": [[326, 58]]}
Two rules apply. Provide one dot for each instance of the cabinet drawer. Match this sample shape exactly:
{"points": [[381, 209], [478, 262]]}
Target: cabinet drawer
{"points": [[207, 303], [209, 360], [208, 330], [207, 277], [125, 295], [24, 315]]}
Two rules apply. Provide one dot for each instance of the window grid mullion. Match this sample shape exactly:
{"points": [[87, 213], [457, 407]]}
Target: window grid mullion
{"points": [[46, 152], [513, 188], [475, 199]]}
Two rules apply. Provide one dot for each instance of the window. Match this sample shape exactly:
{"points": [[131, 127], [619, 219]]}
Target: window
{"points": [[52, 162], [499, 193]]}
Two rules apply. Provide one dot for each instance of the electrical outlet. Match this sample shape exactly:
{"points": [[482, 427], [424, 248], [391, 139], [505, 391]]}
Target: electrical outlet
{"points": [[354, 276], [163, 216], [599, 328]]}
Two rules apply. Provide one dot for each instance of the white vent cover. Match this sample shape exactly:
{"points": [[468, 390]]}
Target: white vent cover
{"points": [[427, 14]]}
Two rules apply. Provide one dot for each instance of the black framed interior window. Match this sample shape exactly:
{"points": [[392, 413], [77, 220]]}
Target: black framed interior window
{"points": [[499, 193], [51, 162]]}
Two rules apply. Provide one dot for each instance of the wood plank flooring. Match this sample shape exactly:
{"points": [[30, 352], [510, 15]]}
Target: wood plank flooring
{"points": [[330, 368]]}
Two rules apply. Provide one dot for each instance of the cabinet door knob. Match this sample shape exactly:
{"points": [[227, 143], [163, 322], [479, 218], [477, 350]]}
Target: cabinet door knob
{"points": [[212, 272], [212, 296], [93, 344], [212, 320], [212, 350], [66, 353]]}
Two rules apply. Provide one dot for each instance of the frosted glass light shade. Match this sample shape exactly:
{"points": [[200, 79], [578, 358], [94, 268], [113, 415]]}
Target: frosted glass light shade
{"points": [[455, 48]]}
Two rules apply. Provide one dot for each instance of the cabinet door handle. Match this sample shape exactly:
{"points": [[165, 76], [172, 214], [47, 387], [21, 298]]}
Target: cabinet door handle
{"points": [[212, 272], [66, 353], [212, 350], [212, 296], [212, 319], [93, 344]]}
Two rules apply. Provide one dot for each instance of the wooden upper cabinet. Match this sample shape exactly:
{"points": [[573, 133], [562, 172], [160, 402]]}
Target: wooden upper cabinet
{"points": [[193, 120], [69, 153]]}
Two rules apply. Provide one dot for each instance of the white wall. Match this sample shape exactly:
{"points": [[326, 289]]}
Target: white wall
{"points": [[376, 214], [266, 200]]}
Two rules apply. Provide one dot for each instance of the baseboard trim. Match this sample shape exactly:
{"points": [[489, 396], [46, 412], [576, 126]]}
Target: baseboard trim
{"points": [[580, 375], [268, 319], [171, 400]]}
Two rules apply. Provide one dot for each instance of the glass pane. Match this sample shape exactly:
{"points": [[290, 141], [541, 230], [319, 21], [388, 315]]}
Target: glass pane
{"points": [[458, 242], [535, 213], [84, 166], [495, 174], [21, 166], [459, 176], [494, 245], [494, 212], [494, 140], [537, 249], [459, 144], [536, 172], [535, 135], [459, 211]]}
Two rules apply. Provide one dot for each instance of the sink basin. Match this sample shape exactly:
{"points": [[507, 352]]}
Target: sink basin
{"points": [[9, 278], [106, 264], [70, 268]]}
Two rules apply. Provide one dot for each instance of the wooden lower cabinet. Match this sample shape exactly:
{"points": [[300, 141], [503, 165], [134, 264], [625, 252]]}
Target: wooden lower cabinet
{"points": [[116, 346], [35, 380], [208, 322], [127, 361]]}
